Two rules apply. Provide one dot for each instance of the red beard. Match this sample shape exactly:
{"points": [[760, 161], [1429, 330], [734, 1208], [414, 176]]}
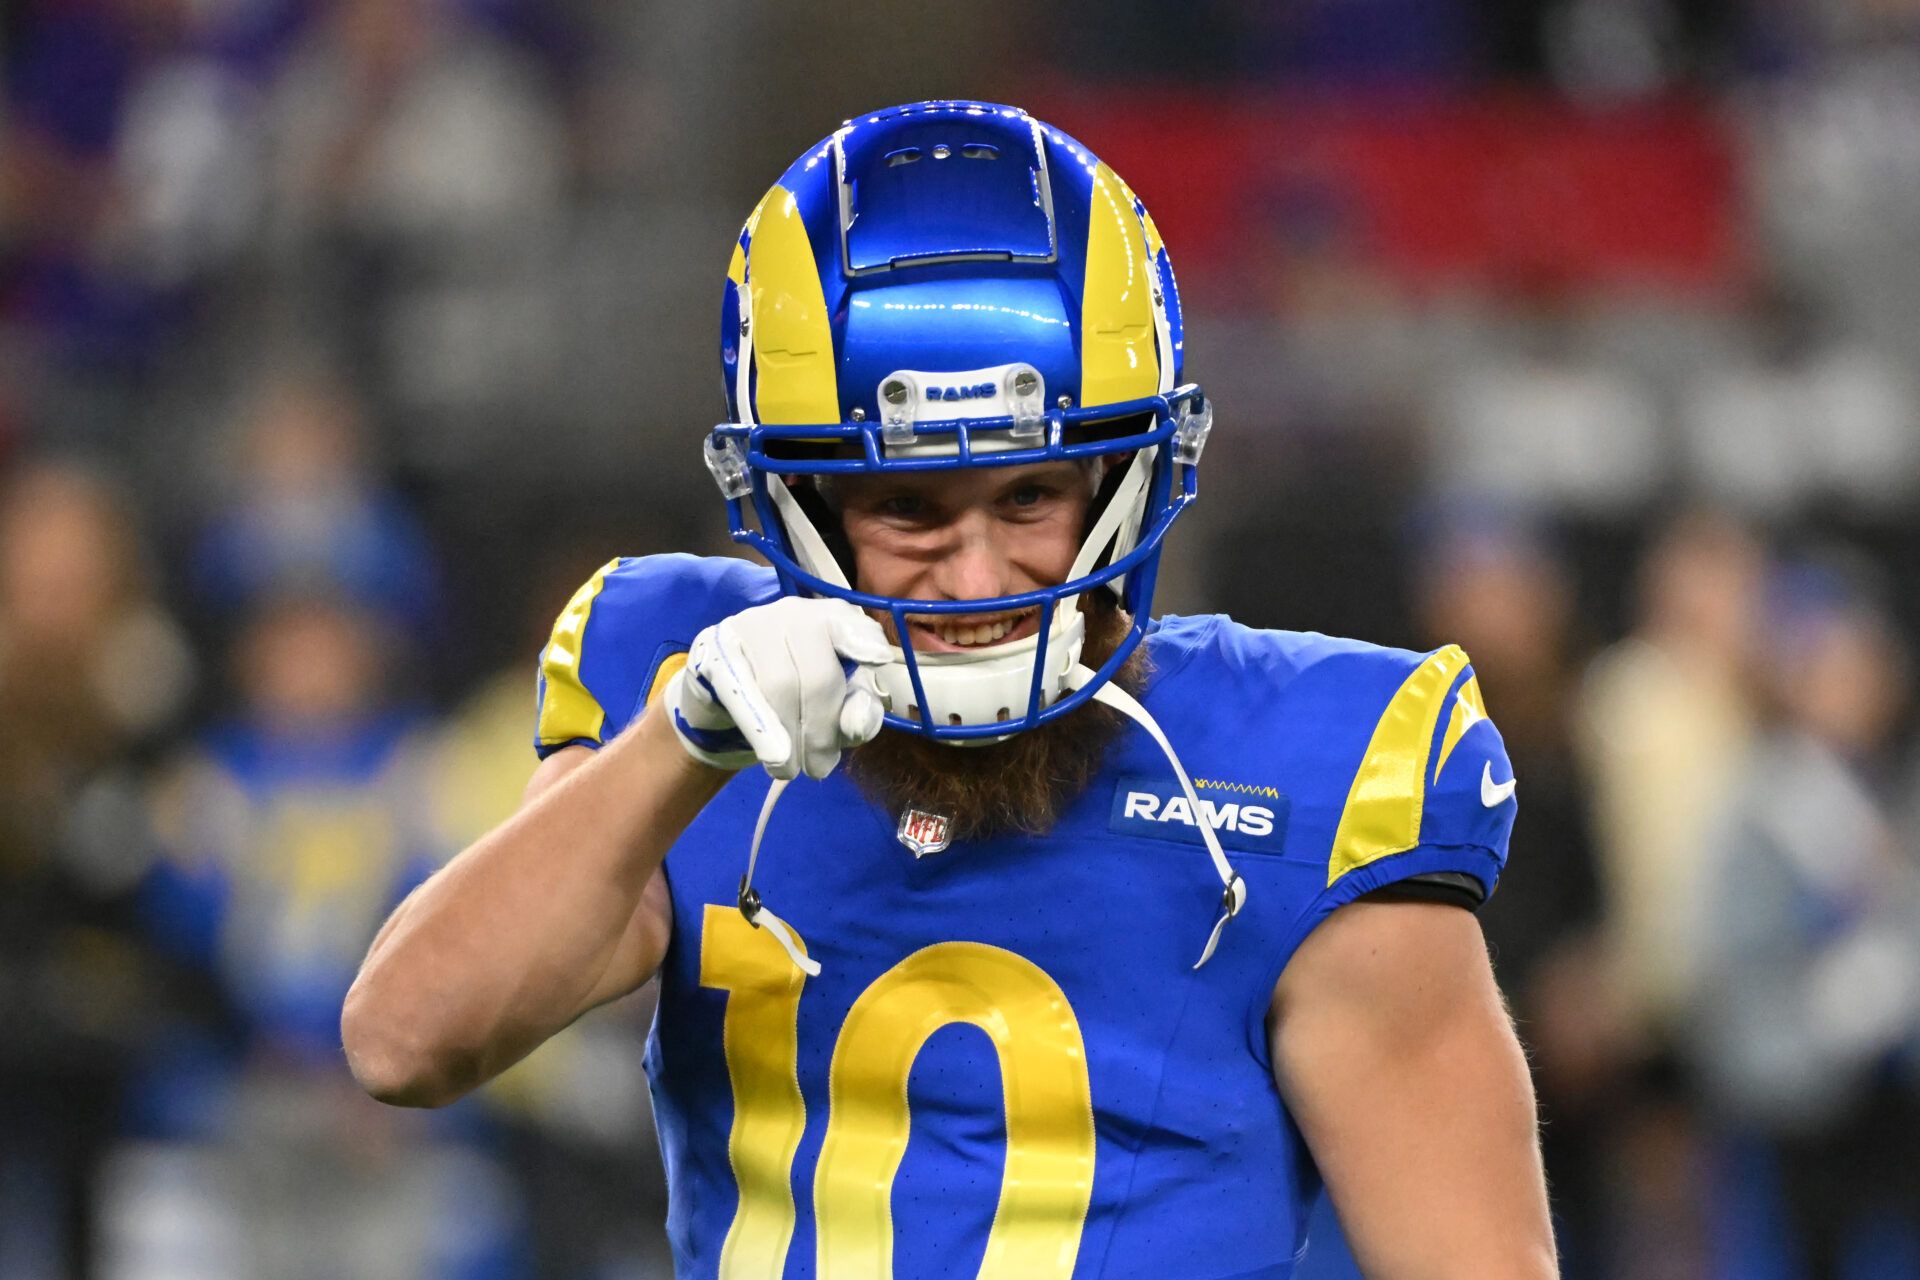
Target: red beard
{"points": [[1021, 785]]}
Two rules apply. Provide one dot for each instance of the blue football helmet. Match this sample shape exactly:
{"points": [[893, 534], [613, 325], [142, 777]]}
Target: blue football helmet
{"points": [[946, 285]]}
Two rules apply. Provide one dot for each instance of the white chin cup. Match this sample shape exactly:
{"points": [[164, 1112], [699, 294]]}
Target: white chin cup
{"points": [[992, 684]]}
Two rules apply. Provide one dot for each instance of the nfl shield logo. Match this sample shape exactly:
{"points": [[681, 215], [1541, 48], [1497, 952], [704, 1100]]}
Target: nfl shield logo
{"points": [[924, 832]]}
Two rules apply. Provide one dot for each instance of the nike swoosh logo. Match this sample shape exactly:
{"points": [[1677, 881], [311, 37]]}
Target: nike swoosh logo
{"points": [[1492, 793]]}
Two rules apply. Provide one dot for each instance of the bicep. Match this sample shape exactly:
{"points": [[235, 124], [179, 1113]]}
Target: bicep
{"points": [[643, 944], [1396, 1057]]}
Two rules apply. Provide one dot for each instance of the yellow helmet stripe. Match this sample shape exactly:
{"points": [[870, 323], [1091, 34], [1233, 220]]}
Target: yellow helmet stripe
{"points": [[1384, 805], [1118, 356], [792, 339]]}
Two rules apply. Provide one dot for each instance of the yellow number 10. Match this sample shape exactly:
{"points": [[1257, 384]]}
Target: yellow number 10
{"points": [[1048, 1178]]}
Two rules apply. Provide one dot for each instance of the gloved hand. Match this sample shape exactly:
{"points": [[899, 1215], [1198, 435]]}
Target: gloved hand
{"points": [[770, 684]]}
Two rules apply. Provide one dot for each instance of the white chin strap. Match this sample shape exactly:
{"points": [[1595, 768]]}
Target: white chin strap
{"points": [[994, 683], [1233, 897], [1120, 523], [991, 685], [758, 914]]}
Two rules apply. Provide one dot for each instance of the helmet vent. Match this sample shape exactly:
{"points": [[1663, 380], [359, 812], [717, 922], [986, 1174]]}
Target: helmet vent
{"points": [[896, 212]]}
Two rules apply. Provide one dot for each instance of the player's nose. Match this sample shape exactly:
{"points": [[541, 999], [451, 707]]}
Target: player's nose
{"points": [[975, 565]]}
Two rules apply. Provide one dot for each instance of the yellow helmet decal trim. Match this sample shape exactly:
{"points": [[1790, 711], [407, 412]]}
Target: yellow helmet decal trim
{"points": [[1118, 356], [737, 265], [792, 339], [1146, 219], [567, 709], [1384, 805]]}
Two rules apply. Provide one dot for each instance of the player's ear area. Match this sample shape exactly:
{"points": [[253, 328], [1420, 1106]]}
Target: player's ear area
{"points": [[820, 503], [825, 487], [1105, 474]]}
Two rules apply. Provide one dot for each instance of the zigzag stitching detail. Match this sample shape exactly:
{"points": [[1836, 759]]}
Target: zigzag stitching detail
{"points": [[1241, 787]]}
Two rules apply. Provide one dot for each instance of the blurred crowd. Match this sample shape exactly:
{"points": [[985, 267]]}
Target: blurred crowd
{"points": [[340, 339]]}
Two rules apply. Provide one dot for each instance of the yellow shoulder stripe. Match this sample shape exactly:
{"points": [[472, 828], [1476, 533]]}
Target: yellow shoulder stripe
{"points": [[1382, 815], [1119, 358], [569, 710], [1468, 710]]}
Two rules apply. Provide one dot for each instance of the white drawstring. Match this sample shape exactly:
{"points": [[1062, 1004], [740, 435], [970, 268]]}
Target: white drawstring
{"points": [[758, 914], [1233, 896]]}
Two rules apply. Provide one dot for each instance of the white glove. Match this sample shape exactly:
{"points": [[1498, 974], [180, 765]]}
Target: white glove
{"points": [[770, 684]]}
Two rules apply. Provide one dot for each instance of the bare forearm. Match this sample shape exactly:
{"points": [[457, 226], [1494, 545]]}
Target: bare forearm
{"points": [[526, 928]]}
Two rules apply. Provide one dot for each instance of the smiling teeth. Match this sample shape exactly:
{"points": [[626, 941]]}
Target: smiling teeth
{"points": [[978, 633]]}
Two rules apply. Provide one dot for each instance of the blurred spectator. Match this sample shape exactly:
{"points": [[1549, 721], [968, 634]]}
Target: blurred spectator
{"points": [[395, 118], [1662, 724], [90, 666], [65, 90], [1801, 413], [186, 166], [1835, 161], [1492, 584], [416, 168], [294, 827], [90, 670], [306, 513], [1665, 720], [1807, 1022], [290, 832]]}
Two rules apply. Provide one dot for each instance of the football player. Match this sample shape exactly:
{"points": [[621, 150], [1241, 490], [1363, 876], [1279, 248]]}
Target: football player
{"points": [[1116, 936]]}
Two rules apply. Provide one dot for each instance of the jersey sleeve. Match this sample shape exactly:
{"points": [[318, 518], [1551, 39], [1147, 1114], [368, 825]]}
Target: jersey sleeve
{"points": [[624, 634], [1432, 800]]}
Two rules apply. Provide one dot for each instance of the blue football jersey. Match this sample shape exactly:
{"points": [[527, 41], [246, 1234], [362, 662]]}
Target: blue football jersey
{"points": [[1007, 1065]]}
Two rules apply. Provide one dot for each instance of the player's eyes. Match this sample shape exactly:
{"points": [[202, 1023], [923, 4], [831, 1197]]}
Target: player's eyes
{"points": [[1030, 495], [903, 506]]}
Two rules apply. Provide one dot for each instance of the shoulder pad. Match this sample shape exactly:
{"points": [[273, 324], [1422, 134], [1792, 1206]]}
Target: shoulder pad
{"points": [[1263, 661], [1434, 771], [621, 636]]}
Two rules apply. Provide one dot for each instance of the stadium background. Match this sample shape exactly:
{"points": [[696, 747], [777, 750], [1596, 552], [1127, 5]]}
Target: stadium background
{"points": [[339, 339]]}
